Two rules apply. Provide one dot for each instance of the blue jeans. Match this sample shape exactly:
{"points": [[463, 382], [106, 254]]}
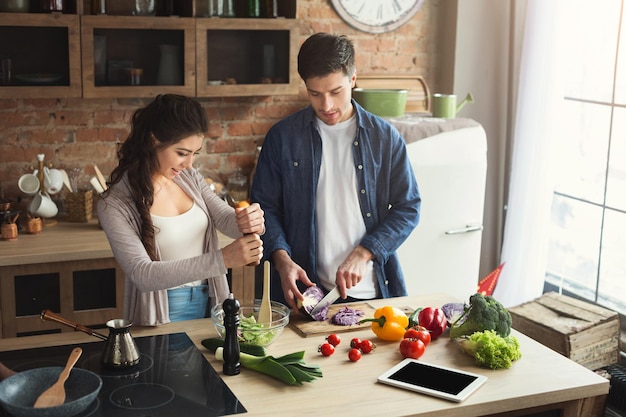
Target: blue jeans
{"points": [[188, 303]]}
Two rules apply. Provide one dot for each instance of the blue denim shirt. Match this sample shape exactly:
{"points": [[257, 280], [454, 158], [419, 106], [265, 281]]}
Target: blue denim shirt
{"points": [[285, 186]]}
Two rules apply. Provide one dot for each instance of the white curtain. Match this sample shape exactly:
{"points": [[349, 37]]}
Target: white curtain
{"points": [[530, 189]]}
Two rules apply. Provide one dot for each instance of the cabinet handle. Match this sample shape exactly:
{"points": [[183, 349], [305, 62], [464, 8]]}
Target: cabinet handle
{"points": [[467, 229]]}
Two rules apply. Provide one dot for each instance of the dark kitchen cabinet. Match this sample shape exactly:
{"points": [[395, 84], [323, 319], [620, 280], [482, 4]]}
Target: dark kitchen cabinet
{"points": [[247, 57], [80, 54], [163, 49], [44, 50], [88, 292]]}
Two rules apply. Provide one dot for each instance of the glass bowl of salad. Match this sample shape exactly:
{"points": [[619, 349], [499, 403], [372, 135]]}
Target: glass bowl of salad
{"points": [[250, 330]]}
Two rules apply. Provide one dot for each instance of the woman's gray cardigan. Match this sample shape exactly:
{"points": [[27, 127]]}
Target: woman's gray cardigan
{"points": [[145, 297]]}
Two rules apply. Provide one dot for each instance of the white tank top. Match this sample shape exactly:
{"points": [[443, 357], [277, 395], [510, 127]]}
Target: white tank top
{"points": [[340, 225], [182, 236]]}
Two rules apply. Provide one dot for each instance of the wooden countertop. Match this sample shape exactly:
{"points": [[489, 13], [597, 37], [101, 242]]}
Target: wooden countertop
{"points": [[63, 241], [540, 378]]}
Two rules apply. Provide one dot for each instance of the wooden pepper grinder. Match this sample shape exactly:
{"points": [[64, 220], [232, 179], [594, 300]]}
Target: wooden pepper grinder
{"points": [[231, 342]]}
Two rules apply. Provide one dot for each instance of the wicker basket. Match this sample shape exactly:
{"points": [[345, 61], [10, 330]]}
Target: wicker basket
{"points": [[79, 206]]}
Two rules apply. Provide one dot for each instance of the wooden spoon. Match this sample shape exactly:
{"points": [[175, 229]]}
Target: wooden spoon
{"points": [[66, 180], [55, 395], [265, 312]]}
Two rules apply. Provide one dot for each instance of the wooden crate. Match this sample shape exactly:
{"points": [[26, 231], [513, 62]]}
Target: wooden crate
{"points": [[586, 333]]}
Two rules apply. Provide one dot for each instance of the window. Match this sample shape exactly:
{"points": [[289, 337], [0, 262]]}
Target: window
{"points": [[587, 250]]}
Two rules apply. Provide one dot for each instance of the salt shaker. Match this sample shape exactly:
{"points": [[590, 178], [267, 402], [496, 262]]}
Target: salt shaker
{"points": [[231, 342]]}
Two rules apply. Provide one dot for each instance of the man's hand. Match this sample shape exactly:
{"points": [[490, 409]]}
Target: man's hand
{"points": [[352, 269], [290, 273]]}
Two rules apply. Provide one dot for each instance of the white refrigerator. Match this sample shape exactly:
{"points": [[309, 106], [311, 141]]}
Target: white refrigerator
{"points": [[443, 253]]}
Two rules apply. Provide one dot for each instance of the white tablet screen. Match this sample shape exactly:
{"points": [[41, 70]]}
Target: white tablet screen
{"points": [[443, 382]]}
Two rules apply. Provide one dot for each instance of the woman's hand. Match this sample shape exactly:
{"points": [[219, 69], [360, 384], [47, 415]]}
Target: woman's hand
{"points": [[250, 219], [246, 250]]}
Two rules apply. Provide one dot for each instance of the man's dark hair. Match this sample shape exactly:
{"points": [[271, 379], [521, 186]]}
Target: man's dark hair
{"points": [[322, 54]]}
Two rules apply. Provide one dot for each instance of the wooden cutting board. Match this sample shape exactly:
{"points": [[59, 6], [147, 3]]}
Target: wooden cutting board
{"points": [[306, 326]]}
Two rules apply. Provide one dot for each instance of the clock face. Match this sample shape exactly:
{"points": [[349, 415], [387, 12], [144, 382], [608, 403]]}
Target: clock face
{"points": [[376, 16]]}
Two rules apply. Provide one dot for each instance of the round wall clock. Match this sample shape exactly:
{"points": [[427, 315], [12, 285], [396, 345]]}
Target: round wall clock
{"points": [[376, 16]]}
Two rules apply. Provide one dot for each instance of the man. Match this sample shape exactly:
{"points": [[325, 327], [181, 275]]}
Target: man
{"points": [[336, 186]]}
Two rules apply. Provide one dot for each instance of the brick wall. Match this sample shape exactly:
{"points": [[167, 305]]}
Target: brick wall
{"points": [[81, 132]]}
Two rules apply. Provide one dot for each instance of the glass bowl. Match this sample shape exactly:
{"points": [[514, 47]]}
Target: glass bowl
{"points": [[250, 331]]}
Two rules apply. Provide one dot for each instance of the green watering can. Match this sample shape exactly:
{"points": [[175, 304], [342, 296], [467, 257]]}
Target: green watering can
{"points": [[445, 107]]}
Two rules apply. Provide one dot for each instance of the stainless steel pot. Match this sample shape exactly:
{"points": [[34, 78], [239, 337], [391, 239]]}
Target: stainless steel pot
{"points": [[120, 349]]}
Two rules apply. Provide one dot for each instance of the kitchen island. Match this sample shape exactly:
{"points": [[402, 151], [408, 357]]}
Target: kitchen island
{"points": [[542, 380]]}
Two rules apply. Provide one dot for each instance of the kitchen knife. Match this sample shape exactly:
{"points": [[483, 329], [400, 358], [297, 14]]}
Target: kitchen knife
{"points": [[328, 299]]}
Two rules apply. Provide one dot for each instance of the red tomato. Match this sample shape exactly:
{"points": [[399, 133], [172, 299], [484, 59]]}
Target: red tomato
{"points": [[355, 342], [412, 348], [354, 354], [367, 346], [418, 332], [333, 339], [326, 349]]}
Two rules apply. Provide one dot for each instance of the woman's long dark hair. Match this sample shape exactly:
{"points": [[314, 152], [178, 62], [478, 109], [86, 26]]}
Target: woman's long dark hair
{"points": [[163, 122]]}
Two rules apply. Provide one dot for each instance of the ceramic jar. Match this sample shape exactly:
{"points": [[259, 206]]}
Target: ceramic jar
{"points": [[169, 72]]}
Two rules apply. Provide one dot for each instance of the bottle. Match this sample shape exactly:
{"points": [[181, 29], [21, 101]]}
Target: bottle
{"points": [[226, 8], [52, 5], [254, 8], [231, 342], [270, 9], [98, 7], [238, 186]]}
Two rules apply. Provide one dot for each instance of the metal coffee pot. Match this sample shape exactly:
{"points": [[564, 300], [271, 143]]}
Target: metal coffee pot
{"points": [[120, 349]]}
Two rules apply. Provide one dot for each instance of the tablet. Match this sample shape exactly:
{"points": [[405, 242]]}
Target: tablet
{"points": [[436, 380]]}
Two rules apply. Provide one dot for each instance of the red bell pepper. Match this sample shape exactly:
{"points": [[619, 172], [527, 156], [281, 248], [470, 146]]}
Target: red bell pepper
{"points": [[432, 319]]}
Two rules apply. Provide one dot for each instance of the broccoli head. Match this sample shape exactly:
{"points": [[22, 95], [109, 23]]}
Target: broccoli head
{"points": [[483, 313], [491, 350]]}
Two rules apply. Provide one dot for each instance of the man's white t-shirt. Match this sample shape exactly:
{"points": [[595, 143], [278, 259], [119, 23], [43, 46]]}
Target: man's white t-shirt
{"points": [[340, 225]]}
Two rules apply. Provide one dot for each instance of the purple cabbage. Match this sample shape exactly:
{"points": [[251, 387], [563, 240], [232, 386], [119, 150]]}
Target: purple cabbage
{"points": [[312, 296], [454, 312], [347, 317]]}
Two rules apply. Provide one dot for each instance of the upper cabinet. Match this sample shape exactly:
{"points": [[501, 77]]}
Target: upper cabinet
{"points": [[176, 47], [138, 56], [40, 55], [246, 57]]}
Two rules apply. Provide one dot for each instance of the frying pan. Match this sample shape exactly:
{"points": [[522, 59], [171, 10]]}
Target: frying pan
{"points": [[19, 392]]}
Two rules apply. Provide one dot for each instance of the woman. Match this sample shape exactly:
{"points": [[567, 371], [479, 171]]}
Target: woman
{"points": [[161, 218]]}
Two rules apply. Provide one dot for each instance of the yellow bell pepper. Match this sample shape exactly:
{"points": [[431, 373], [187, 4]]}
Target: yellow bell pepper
{"points": [[389, 323]]}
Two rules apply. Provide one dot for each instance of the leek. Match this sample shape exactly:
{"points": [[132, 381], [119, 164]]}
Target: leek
{"points": [[290, 369]]}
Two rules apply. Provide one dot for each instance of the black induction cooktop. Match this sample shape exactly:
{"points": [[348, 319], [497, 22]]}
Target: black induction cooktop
{"points": [[172, 378]]}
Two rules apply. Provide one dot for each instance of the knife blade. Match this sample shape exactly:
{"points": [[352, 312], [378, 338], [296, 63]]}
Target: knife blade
{"points": [[328, 299]]}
